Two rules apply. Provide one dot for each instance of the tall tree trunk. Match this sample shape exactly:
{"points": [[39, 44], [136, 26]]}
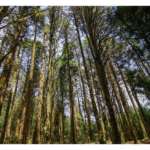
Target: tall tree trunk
{"points": [[37, 138], [125, 104], [3, 133], [102, 80], [101, 140], [71, 94], [8, 130], [28, 94], [85, 102], [140, 116]]}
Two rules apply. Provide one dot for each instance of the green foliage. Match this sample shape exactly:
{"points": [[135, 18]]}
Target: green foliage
{"points": [[46, 29], [28, 44], [147, 113]]}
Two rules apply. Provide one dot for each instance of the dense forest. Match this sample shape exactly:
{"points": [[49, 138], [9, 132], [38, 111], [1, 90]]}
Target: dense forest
{"points": [[74, 75]]}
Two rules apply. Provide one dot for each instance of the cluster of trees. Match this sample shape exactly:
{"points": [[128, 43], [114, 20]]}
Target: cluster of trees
{"points": [[74, 74]]}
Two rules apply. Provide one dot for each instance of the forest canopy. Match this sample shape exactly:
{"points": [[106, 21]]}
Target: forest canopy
{"points": [[74, 75]]}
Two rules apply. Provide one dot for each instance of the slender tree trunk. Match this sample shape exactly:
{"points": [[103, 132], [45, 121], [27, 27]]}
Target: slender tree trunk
{"points": [[37, 138], [98, 93], [103, 82], [125, 104], [85, 102], [71, 96], [28, 94], [3, 133], [8, 130], [101, 140], [140, 117], [62, 117]]}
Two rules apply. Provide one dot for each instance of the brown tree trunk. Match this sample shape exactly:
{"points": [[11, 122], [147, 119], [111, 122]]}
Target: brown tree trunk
{"points": [[71, 96], [140, 117], [103, 81], [3, 133], [125, 104], [28, 94], [89, 86]]}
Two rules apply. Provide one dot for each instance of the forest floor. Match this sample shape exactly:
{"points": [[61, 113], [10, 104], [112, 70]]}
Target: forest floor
{"points": [[140, 141], [144, 141]]}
